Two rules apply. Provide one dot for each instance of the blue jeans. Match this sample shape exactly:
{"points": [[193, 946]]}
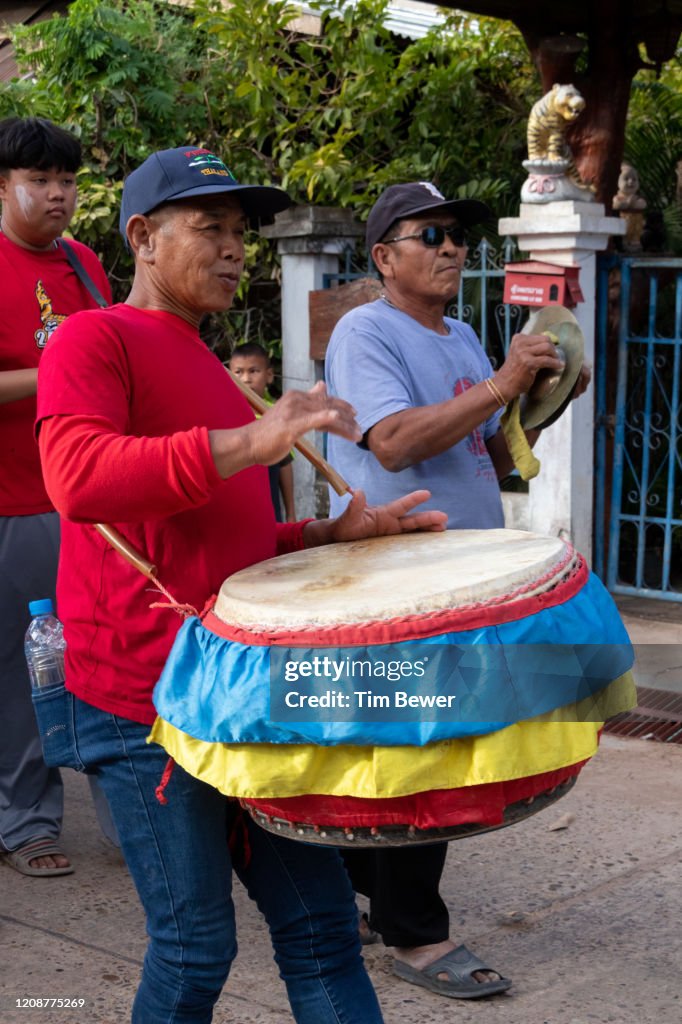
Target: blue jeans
{"points": [[180, 862]]}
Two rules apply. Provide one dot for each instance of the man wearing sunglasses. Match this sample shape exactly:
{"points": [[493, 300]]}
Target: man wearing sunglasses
{"points": [[428, 403]]}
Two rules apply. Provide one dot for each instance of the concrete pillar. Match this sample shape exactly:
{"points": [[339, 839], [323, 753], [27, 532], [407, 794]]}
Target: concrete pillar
{"points": [[310, 241], [560, 500]]}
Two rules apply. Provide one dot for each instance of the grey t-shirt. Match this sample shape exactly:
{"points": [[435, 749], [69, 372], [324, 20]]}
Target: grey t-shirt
{"points": [[382, 361]]}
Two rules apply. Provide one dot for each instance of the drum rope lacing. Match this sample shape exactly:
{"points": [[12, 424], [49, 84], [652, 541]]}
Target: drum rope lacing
{"points": [[186, 611]]}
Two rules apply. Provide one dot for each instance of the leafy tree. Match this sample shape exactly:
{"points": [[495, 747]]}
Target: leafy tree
{"points": [[120, 75], [333, 117], [653, 144]]}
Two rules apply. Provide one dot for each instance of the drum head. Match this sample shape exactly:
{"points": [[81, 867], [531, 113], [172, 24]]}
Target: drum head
{"points": [[389, 577]]}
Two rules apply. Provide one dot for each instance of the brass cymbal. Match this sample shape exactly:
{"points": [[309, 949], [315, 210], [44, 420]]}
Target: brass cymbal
{"points": [[551, 392]]}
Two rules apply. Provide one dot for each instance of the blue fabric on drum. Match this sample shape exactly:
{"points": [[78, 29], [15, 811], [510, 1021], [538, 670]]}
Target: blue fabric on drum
{"points": [[219, 690]]}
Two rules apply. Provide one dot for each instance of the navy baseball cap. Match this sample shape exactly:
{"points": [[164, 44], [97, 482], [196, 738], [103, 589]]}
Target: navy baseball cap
{"points": [[172, 174], [399, 202]]}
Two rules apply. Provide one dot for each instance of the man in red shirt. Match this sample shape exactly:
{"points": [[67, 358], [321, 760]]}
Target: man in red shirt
{"points": [[38, 163], [140, 427]]}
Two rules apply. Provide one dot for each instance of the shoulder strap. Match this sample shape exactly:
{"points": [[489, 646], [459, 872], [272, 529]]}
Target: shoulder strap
{"points": [[82, 273]]}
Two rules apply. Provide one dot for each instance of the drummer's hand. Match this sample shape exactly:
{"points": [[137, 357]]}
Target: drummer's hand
{"points": [[275, 433], [528, 353], [360, 520], [270, 438]]}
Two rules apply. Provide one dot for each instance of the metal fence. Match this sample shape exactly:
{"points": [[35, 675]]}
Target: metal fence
{"points": [[639, 431]]}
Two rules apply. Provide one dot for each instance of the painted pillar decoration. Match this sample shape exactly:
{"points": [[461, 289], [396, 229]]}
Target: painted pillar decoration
{"points": [[560, 222]]}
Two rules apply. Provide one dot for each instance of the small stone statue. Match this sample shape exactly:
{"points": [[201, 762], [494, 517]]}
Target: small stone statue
{"points": [[631, 206], [552, 174]]}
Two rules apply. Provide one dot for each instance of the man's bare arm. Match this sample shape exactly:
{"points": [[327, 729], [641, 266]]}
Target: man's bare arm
{"points": [[413, 435], [17, 384]]}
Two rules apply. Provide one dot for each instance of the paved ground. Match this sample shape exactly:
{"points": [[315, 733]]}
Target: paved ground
{"points": [[655, 628], [586, 919]]}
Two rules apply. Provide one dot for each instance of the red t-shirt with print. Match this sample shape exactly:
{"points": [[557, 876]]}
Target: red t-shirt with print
{"points": [[126, 398], [38, 291]]}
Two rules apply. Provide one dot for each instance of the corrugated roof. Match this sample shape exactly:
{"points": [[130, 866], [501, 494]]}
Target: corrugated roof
{"points": [[409, 18]]}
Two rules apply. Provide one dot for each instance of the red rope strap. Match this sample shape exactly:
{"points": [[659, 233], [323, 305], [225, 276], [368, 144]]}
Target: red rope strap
{"points": [[165, 779]]}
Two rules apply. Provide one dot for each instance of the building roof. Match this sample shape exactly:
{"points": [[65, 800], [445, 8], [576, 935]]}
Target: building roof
{"points": [[26, 13]]}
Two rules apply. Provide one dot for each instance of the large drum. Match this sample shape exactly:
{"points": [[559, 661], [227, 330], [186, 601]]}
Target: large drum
{"points": [[398, 690]]}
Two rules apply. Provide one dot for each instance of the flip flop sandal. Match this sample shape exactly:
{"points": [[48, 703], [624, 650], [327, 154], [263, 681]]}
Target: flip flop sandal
{"points": [[460, 965], [21, 859]]}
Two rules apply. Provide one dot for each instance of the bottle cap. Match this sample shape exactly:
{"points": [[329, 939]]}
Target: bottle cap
{"points": [[42, 607]]}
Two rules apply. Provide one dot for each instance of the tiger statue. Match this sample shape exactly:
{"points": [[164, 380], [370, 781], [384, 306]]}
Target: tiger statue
{"points": [[547, 123]]}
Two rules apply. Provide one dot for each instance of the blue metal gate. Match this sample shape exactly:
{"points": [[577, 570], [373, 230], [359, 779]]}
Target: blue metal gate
{"points": [[638, 541]]}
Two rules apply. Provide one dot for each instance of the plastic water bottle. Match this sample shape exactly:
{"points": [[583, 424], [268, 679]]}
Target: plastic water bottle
{"points": [[44, 646]]}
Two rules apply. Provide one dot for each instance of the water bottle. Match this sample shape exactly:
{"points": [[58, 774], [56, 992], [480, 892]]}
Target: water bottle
{"points": [[44, 646]]}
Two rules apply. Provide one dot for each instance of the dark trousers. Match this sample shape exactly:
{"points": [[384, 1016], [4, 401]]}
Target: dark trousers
{"points": [[31, 796], [402, 885]]}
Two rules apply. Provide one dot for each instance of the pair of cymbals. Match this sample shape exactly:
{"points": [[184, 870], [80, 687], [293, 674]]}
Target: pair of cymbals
{"points": [[551, 392]]}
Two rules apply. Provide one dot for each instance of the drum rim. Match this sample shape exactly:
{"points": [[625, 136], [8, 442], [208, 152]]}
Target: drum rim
{"points": [[379, 838], [570, 575], [244, 609]]}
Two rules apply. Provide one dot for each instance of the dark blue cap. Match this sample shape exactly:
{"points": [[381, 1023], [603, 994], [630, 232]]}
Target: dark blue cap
{"points": [[402, 202], [188, 171]]}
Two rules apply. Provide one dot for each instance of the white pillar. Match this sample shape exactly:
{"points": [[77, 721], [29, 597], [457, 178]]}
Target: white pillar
{"points": [[560, 500], [310, 240]]}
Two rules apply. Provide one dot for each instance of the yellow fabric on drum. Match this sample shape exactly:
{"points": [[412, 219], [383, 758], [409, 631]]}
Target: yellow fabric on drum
{"points": [[547, 742]]}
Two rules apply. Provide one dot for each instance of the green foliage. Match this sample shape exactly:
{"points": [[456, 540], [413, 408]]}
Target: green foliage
{"points": [[120, 76], [333, 117], [653, 144], [339, 116]]}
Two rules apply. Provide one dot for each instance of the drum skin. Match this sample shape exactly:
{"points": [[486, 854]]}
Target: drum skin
{"points": [[340, 784]]}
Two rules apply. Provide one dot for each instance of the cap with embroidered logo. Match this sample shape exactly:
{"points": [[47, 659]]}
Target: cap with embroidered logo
{"points": [[172, 174], [398, 202]]}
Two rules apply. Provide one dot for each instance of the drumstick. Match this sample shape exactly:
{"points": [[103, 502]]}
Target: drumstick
{"points": [[309, 451], [128, 552]]}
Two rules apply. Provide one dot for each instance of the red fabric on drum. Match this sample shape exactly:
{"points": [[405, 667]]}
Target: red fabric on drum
{"points": [[484, 804], [501, 609]]}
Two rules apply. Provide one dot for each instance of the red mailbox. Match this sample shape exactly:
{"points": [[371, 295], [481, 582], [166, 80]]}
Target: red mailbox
{"points": [[533, 283]]}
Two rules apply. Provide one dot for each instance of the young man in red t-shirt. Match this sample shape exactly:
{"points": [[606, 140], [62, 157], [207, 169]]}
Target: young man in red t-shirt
{"points": [[38, 290]]}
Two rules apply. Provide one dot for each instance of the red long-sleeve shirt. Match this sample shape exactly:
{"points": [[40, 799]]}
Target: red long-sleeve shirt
{"points": [[126, 398]]}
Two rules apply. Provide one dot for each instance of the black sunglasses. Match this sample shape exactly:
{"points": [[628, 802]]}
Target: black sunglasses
{"points": [[434, 235]]}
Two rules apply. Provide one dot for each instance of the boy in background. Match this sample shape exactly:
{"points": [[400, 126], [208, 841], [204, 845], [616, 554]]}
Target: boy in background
{"points": [[251, 364]]}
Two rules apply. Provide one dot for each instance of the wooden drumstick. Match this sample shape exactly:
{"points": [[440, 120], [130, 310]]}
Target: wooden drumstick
{"points": [[308, 450], [128, 552]]}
